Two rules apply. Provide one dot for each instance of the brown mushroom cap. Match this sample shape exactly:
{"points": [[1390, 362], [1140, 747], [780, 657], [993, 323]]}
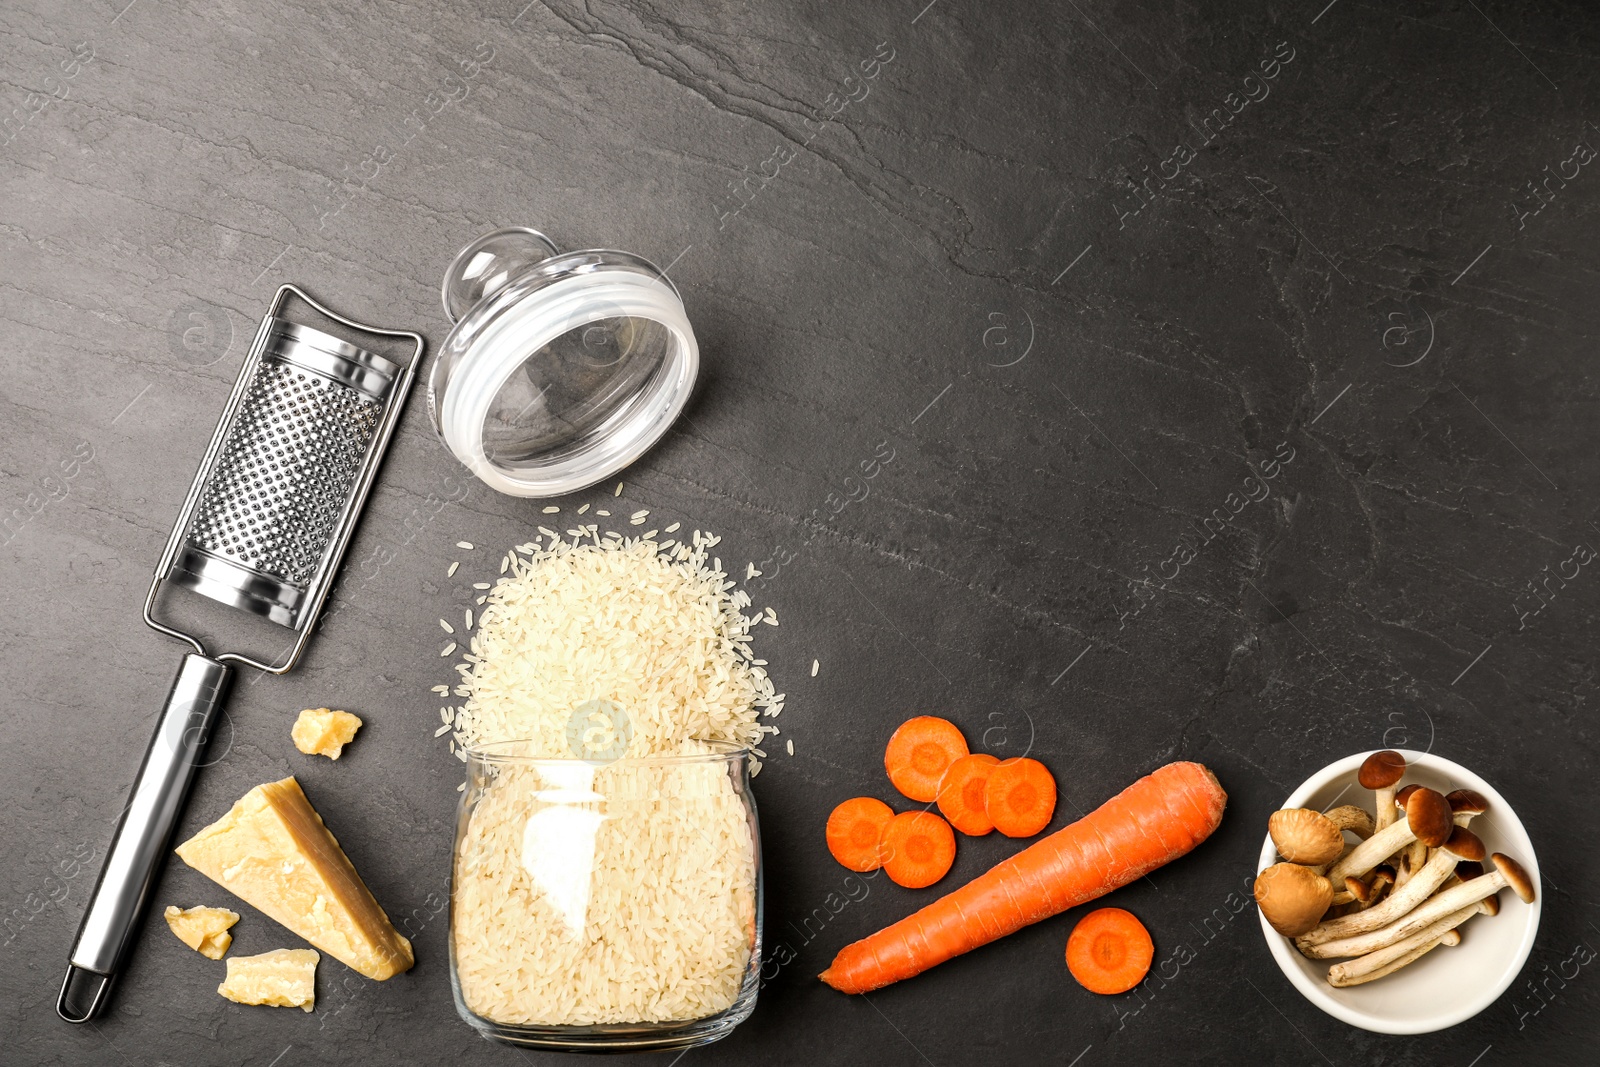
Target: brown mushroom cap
{"points": [[1516, 876], [1305, 836], [1382, 770], [1357, 888], [1467, 870], [1429, 814], [1404, 795], [1465, 844], [1490, 906], [1466, 802], [1292, 898]]}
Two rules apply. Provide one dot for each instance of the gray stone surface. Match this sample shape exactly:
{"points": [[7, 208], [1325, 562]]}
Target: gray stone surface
{"points": [[950, 260]]}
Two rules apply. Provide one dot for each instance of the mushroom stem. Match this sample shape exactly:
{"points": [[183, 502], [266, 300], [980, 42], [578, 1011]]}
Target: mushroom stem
{"points": [[1415, 856], [1341, 974], [1349, 817], [1463, 845], [1449, 937], [1507, 872]]}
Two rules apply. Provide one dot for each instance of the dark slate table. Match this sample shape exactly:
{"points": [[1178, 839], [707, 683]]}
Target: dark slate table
{"points": [[1079, 268]]}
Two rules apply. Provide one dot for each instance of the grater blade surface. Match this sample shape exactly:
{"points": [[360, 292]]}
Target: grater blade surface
{"points": [[283, 475]]}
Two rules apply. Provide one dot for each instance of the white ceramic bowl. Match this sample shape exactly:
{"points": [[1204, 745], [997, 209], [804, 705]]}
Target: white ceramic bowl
{"points": [[1448, 985]]}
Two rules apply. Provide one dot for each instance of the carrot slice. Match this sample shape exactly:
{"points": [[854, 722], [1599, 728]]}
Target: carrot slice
{"points": [[1109, 951], [961, 794], [919, 848], [1021, 797], [855, 832], [920, 752]]}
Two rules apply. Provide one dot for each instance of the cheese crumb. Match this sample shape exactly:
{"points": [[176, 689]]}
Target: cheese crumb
{"points": [[282, 978], [203, 929], [324, 732]]}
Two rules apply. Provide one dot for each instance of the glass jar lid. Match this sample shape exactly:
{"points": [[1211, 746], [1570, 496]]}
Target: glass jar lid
{"points": [[562, 367]]}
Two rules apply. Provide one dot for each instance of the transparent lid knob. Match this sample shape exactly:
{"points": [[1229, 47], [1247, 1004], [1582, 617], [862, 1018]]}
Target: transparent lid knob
{"points": [[562, 368]]}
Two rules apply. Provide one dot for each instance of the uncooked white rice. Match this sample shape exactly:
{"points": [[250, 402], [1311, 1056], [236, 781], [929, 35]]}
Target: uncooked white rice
{"points": [[658, 924], [614, 620], [663, 927]]}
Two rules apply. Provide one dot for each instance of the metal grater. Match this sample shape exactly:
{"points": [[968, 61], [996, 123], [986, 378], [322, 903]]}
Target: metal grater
{"points": [[263, 529]]}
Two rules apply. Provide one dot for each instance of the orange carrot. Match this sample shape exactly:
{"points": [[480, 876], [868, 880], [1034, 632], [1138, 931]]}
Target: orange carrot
{"points": [[1109, 951], [1153, 821], [961, 794], [919, 848], [1021, 797], [855, 832], [918, 754]]}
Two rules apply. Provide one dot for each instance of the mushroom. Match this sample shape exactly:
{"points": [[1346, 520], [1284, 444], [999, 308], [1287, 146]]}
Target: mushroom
{"points": [[1427, 819], [1367, 893], [1465, 804], [1292, 898], [1405, 959], [1316, 838], [1305, 836], [1381, 772], [1463, 844], [1507, 872], [1382, 879], [1377, 964], [1401, 860]]}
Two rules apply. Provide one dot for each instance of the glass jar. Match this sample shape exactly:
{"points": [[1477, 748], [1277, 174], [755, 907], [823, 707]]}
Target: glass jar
{"points": [[562, 367], [606, 906]]}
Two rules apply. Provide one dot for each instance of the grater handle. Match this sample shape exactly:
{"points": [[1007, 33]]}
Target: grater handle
{"points": [[145, 829]]}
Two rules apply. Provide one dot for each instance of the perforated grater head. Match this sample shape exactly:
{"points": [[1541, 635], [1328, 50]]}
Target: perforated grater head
{"points": [[287, 471]]}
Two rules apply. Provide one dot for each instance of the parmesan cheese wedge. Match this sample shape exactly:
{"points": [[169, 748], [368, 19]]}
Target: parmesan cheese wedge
{"points": [[282, 978], [273, 851]]}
